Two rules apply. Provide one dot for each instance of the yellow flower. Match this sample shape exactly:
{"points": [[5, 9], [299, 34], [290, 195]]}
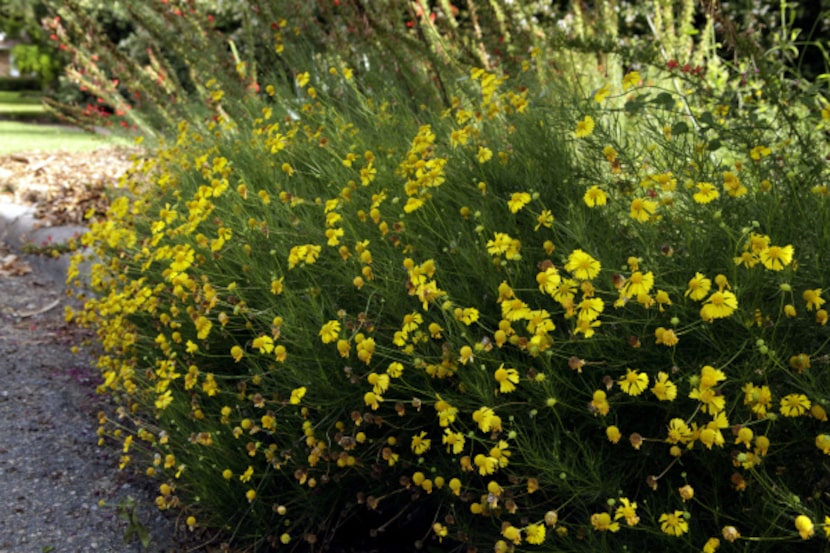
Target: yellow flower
{"points": [[631, 79], [775, 258], [297, 395], [665, 336], [664, 389], [759, 398], [642, 209], [277, 286], [589, 309], [732, 185], [237, 353], [535, 534], [713, 402], [395, 369], [467, 315], [265, 344], [761, 445], [203, 326], [699, 286], [710, 376], [371, 400], [662, 298], [454, 441], [719, 305], [582, 266], [613, 434], [706, 192], [487, 419], [500, 243], [517, 201], [711, 545], [330, 331], [628, 511], [420, 443], [679, 431], [379, 382], [164, 400], [674, 524], [813, 298], [638, 284], [794, 405], [804, 526], [302, 79], [599, 403], [548, 280], [545, 219], [601, 94], [484, 154], [486, 465], [306, 253], [823, 443], [585, 127], [512, 533], [507, 379], [595, 197], [745, 436], [633, 383], [758, 152], [602, 523], [465, 354]]}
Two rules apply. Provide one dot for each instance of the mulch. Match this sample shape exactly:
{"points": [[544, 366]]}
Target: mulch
{"points": [[63, 186]]}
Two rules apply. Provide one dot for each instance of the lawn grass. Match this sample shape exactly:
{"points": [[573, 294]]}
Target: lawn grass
{"points": [[23, 137], [23, 127], [20, 103]]}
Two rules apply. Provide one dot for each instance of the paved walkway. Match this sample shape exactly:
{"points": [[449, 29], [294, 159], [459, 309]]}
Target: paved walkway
{"points": [[60, 490]]}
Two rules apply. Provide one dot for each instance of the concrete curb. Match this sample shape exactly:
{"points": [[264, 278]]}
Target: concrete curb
{"points": [[19, 227]]}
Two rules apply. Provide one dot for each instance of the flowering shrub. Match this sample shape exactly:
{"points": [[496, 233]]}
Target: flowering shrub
{"points": [[145, 65], [530, 321]]}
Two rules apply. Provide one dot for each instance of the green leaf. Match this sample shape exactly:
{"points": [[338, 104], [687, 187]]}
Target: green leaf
{"points": [[664, 99], [707, 118], [679, 128]]}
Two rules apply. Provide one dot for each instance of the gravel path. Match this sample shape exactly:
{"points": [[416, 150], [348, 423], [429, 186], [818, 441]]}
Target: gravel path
{"points": [[60, 490]]}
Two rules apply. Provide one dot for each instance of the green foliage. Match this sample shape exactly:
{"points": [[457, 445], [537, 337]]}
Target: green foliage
{"points": [[32, 59]]}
